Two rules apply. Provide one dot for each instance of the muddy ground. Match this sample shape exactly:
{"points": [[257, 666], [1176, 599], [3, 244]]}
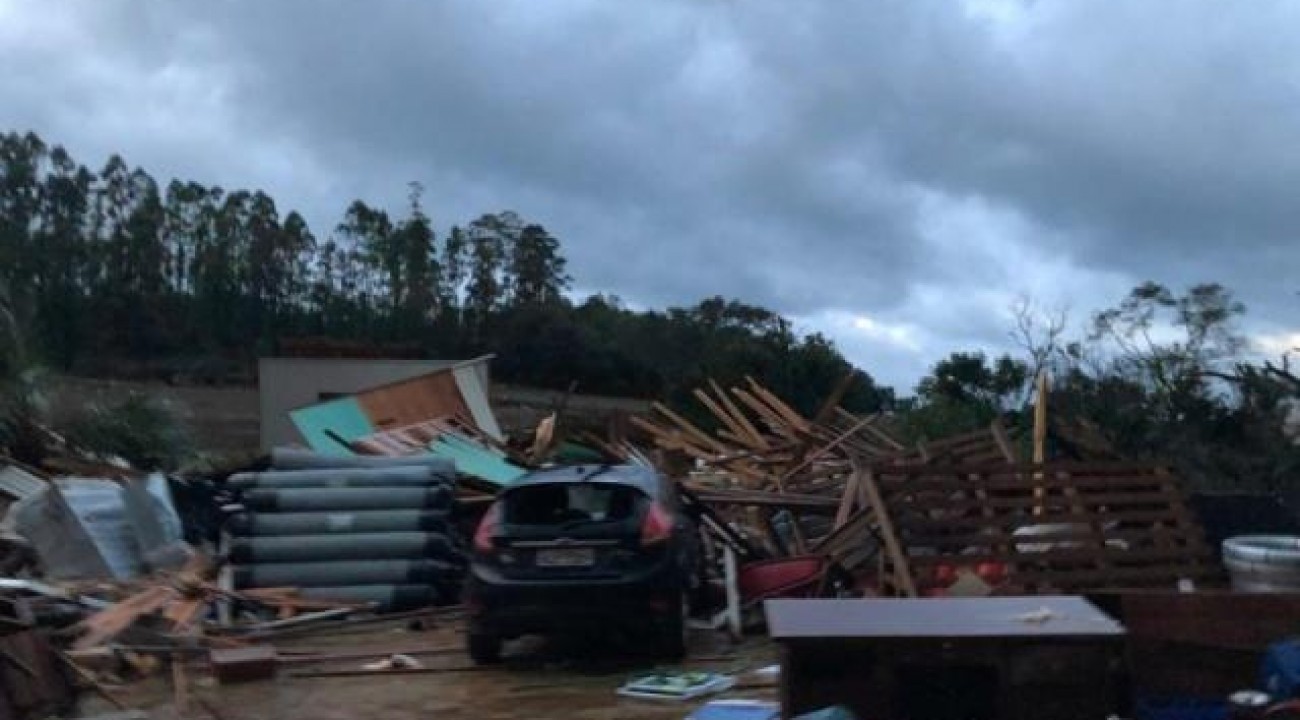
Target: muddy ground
{"points": [[541, 679]]}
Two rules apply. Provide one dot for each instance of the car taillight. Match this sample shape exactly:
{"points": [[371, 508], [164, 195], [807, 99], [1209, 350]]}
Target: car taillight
{"points": [[658, 525], [487, 529]]}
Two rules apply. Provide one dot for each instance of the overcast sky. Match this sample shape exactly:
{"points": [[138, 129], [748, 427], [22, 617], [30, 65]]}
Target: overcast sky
{"points": [[895, 174]]}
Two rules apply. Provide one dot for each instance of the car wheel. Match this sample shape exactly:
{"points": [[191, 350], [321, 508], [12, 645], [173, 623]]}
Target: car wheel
{"points": [[484, 648], [673, 632]]}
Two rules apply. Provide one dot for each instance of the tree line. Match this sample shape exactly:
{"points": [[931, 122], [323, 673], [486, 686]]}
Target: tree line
{"points": [[113, 271], [1161, 376], [109, 271]]}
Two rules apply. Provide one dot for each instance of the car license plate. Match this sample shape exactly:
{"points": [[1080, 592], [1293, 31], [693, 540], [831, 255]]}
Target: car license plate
{"points": [[566, 557]]}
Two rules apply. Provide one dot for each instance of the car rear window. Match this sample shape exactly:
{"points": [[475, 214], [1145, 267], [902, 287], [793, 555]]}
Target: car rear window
{"points": [[567, 502]]}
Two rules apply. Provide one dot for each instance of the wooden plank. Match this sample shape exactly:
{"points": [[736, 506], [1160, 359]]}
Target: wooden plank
{"points": [[848, 501], [1011, 522], [737, 432], [773, 421], [1111, 500], [730, 436], [180, 686], [1182, 514], [789, 414], [654, 429], [892, 545], [1074, 468], [1113, 578], [860, 522], [686, 426], [185, 612], [892, 483], [872, 429], [1047, 557], [833, 400], [884, 437], [853, 545], [767, 499], [737, 413], [1003, 441], [823, 450], [923, 451], [978, 539], [109, 622]]}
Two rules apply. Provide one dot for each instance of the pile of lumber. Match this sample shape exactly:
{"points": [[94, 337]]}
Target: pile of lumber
{"points": [[914, 518], [766, 460], [1046, 528], [188, 607]]}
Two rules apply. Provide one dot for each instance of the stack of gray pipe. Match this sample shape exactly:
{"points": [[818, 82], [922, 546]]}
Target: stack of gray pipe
{"points": [[357, 529]]}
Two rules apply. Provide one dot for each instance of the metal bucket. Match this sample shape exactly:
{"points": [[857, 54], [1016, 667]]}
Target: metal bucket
{"points": [[1263, 563]]}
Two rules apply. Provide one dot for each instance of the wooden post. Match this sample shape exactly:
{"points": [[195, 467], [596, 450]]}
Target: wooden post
{"points": [[897, 555], [1040, 435]]}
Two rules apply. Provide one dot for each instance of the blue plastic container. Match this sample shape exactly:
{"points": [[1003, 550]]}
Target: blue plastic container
{"points": [[1280, 671]]}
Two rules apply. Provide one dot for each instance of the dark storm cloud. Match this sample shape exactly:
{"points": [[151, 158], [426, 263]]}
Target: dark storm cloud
{"points": [[579, 118], [917, 164]]}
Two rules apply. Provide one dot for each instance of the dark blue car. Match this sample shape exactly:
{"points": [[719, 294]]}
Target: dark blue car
{"points": [[583, 549]]}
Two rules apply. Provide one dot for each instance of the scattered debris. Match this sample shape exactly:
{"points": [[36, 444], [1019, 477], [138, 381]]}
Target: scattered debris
{"points": [[111, 579], [676, 686], [737, 709], [394, 662]]}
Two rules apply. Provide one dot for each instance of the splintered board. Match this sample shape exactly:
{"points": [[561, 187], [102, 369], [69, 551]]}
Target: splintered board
{"points": [[1046, 528], [994, 444]]}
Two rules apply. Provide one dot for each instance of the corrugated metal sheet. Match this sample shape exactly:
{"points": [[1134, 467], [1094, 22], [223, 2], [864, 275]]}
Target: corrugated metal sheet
{"points": [[18, 483], [81, 530]]}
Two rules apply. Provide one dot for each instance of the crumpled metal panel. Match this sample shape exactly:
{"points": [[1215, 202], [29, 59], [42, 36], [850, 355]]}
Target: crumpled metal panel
{"points": [[18, 483]]}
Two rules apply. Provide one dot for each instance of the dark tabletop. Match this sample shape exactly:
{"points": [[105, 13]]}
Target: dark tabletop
{"points": [[938, 617]]}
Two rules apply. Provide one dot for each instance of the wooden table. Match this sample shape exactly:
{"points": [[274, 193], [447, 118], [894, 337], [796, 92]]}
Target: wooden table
{"points": [[936, 658]]}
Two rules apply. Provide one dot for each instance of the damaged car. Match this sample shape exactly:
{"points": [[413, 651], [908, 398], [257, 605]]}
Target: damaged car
{"points": [[583, 549]]}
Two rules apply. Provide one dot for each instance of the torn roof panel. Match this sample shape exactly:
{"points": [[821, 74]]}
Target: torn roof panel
{"points": [[477, 460], [321, 424], [472, 390], [341, 417]]}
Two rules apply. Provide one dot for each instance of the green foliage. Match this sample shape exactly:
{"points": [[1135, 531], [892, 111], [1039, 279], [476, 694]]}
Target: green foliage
{"points": [[23, 404], [969, 378], [942, 418], [121, 272], [966, 392], [1158, 377], [536, 268], [488, 238], [611, 350], [102, 270], [139, 429], [1206, 337]]}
